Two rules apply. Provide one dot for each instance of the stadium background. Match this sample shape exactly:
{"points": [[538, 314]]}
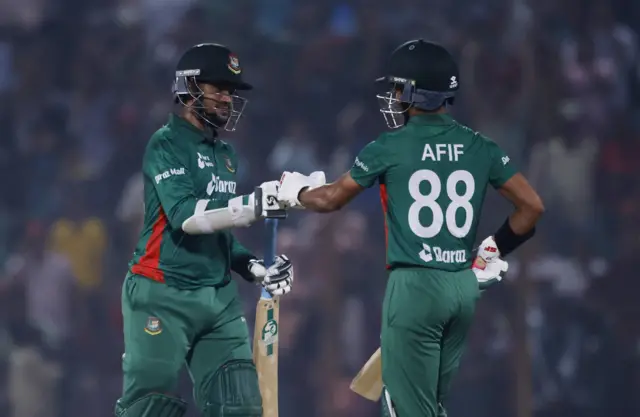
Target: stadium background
{"points": [[555, 83]]}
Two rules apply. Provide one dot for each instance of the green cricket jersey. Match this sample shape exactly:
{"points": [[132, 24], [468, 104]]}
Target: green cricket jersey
{"points": [[433, 175], [185, 172]]}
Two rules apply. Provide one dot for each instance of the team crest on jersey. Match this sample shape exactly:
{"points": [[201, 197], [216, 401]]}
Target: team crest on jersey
{"points": [[228, 164], [153, 326], [234, 64]]}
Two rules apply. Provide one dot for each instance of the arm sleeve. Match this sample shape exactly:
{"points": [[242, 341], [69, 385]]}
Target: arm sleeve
{"points": [[173, 183], [370, 164], [501, 169], [240, 257]]}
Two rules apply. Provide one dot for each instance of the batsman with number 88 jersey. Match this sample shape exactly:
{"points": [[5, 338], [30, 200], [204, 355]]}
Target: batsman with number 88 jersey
{"points": [[433, 174], [439, 183]]}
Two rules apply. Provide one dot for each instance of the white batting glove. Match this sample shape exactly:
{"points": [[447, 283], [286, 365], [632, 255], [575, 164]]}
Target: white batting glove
{"points": [[269, 202], [488, 266], [318, 179], [277, 279], [291, 183]]}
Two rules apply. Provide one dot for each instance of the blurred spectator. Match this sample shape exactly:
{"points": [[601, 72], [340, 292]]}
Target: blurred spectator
{"points": [[48, 283], [83, 239], [130, 209], [295, 151], [32, 377], [563, 168]]}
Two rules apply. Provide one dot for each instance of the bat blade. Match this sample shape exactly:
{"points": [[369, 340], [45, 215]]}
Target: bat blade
{"points": [[265, 351], [265, 336], [368, 382]]}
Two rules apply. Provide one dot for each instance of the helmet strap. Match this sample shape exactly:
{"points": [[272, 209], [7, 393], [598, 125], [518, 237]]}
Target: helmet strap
{"points": [[431, 100], [405, 112]]}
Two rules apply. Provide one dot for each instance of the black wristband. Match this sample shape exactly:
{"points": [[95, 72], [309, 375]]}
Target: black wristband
{"points": [[507, 241], [240, 265]]}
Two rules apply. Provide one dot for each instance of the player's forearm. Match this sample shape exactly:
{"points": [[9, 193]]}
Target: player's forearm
{"points": [[322, 199], [528, 204], [526, 215], [524, 219], [518, 228], [240, 257]]}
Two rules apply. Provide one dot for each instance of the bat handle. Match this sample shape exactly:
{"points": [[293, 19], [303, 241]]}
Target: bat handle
{"points": [[270, 248]]}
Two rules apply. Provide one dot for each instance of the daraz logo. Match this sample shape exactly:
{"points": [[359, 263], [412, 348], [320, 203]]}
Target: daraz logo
{"points": [[442, 255], [216, 184]]}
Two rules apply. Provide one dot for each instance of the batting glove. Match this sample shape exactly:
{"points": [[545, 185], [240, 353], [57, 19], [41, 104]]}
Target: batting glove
{"points": [[277, 279], [291, 183], [488, 266]]}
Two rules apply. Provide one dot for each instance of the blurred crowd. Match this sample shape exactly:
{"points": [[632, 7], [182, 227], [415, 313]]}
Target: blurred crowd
{"points": [[555, 82]]}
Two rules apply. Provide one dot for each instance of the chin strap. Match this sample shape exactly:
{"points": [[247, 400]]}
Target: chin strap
{"points": [[405, 112]]}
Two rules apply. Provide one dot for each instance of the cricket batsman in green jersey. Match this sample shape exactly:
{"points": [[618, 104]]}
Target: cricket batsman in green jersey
{"points": [[433, 174], [179, 303]]}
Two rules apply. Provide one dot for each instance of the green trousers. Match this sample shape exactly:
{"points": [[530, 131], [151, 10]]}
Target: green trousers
{"points": [[166, 328], [426, 317]]}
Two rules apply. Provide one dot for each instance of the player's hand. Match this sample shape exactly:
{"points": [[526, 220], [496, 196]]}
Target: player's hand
{"points": [[291, 183], [277, 279], [488, 266]]}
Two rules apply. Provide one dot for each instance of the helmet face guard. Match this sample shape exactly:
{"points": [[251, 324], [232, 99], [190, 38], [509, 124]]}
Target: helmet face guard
{"points": [[228, 107], [402, 95]]}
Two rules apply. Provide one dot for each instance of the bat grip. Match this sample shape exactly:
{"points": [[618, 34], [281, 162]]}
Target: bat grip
{"points": [[271, 226]]}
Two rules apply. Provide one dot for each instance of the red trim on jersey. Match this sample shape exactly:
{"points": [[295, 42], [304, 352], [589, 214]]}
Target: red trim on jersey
{"points": [[148, 265], [384, 199]]}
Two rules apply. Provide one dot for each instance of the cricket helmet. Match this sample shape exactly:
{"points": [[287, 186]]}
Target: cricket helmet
{"points": [[420, 74], [210, 63]]}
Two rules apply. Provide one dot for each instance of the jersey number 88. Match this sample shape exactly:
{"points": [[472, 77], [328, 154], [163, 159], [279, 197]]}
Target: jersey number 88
{"points": [[429, 201]]}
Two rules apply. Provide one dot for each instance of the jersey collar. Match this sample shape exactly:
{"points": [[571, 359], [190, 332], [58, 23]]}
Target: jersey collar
{"points": [[187, 129], [440, 119]]}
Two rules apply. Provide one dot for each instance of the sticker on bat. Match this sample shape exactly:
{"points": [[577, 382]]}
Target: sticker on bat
{"points": [[270, 332]]}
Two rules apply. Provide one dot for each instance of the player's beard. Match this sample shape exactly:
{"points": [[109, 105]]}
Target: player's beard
{"points": [[212, 119], [216, 111], [216, 119], [221, 115]]}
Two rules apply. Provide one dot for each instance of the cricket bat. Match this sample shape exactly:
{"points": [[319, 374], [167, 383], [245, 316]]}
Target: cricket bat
{"points": [[368, 382], [265, 336]]}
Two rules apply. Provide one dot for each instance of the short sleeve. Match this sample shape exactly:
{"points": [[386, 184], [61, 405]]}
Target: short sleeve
{"points": [[501, 169], [370, 164]]}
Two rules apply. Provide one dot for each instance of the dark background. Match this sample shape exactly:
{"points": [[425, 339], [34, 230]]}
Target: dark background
{"points": [[555, 82]]}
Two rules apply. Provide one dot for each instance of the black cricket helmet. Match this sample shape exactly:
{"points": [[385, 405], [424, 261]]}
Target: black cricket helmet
{"points": [[420, 74], [210, 63]]}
